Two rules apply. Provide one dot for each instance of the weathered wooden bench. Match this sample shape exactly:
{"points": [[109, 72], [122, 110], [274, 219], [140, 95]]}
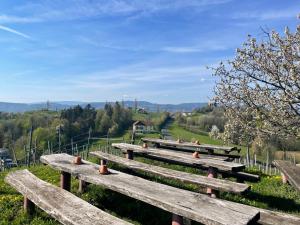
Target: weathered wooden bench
{"points": [[216, 184], [290, 173], [210, 148], [213, 166], [195, 206], [58, 203]]}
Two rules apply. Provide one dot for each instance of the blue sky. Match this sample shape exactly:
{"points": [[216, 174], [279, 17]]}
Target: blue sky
{"points": [[155, 50]]}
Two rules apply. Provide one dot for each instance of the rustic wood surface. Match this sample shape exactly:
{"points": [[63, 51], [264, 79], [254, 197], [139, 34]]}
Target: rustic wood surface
{"points": [[181, 158], [188, 204], [291, 171], [268, 217], [58, 203], [216, 184], [229, 157], [226, 149]]}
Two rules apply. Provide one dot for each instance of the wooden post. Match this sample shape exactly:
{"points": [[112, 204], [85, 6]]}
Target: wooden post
{"points": [[129, 154], [82, 186], [28, 206], [177, 220], [65, 181], [284, 178], [210, 151], [212, 173]]}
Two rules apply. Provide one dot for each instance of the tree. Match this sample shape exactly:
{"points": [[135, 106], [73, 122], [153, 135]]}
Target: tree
{"points": [[260, 88]]}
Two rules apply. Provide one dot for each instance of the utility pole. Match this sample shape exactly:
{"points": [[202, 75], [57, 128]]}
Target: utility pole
{"points": [[59, 139], [135, 105], [72, 146], [35, 148], [30, 146], [90, 132]]}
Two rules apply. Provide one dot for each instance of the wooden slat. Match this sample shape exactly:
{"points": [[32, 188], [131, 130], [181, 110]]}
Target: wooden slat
{"points": [[216, 184], [188, 204], [180, 158], [291, 171], [268, 217], [189, 144], [205, 153], [58, 203]]}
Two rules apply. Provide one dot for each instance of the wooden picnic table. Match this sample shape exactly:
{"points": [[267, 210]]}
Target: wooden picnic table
{"points": [[216, 184], [290, 172], [207, 147], [181, 158], [195, 206]]}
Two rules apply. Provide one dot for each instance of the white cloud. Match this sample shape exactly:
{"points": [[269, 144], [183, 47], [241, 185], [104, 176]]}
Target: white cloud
{"points": [[77, 9], [14, 32], [269, 15]]}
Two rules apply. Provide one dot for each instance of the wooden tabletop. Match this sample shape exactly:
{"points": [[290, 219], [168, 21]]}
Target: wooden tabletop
{"points": [[226, 149], [197, 207], [291, 171], [216, 184], [181, 158]]}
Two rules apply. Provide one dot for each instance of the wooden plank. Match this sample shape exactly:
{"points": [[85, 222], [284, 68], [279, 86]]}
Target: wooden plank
{"points": [[226, 149], [216, 184], [268, 217], [58, 203], [202, 152], [291, 171], [184, 203], [175, 157]]}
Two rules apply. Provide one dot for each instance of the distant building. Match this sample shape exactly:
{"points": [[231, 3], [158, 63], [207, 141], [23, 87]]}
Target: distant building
{"points": [[142, 110], [5, 160], [142, 127]]}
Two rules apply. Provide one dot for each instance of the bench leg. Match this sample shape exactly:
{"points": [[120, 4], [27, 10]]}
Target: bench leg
{"points": [[210, 151], [29, 207], [129, 154], [65, 181], [284, 178], [82, 186], [212, 172], [177, 220]]}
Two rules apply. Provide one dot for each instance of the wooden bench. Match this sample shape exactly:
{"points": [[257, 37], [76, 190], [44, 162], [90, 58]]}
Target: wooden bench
{"points": [[207, 147], [195, 206], [180, 157], [58, 203], [216, 184], [290, 173]]}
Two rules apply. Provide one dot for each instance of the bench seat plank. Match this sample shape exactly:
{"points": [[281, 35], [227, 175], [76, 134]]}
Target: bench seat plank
{"points": [[216, 184], [226, 149], [58, 203], [291, 171], [181, 158], [184, 203]]}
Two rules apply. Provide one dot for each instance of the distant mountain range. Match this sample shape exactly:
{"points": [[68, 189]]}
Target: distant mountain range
{"points": [[24, 107]]}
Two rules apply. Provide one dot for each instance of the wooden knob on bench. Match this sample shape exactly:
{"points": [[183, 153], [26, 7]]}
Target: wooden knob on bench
{"points": [[77, 160], [196, 155], [103, 169], [145, 145]]}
